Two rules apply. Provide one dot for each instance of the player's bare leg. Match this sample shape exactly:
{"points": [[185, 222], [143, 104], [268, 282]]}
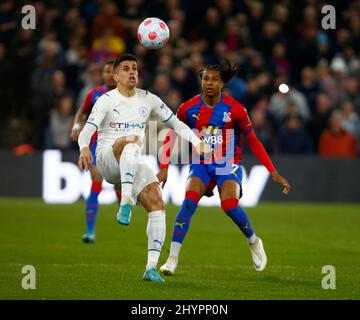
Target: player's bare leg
{"points": [[194, 191], [229, 195], [92, 205], [127, 152], [151, 200]]}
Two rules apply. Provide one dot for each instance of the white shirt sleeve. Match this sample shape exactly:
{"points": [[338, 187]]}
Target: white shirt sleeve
{"points": [[99, 111], [168, 117], [85, 135], [94, 121]]}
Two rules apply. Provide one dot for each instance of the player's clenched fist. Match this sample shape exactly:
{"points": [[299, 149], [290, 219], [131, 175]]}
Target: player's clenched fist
{"points": [[85, 159], [203, 148]]}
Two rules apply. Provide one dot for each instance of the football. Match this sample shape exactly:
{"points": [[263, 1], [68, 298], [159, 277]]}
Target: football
{"points": [[153, 33]]}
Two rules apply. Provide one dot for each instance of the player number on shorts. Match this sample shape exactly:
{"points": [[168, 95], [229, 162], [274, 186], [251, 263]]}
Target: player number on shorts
{"points": [[235, 167]]}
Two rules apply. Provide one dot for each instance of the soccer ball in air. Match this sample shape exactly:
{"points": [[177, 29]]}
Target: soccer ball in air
{"points": [[153, 33]]}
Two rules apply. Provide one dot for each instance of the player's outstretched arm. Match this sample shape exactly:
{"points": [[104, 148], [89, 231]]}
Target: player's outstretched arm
{"points": [[181, 129], [185, 132]]}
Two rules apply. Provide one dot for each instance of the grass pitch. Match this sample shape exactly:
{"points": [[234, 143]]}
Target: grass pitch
{"points": [[215, 262]]}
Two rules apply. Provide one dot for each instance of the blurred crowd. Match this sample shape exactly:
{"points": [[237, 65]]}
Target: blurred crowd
{"points": [[45, 73]]}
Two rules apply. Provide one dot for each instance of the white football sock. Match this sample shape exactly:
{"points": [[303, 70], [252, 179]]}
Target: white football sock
{"points": [[155, 231], [128, 164], [175, 249], [252, 239]]}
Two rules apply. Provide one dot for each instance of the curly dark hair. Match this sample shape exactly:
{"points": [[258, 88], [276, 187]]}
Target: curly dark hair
{"points": [[225, 68]]}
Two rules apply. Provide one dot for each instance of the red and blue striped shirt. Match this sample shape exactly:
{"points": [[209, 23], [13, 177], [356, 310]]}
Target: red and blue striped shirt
{"points": [[221, 126]]}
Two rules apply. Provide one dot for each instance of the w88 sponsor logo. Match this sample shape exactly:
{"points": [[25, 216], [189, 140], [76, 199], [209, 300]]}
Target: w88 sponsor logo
{"points": [[213, 139], [212, 135]]}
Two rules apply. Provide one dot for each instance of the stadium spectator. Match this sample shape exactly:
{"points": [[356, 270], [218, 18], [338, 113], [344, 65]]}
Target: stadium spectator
{"points": [[351, 120], [59, 87], [351, 93], [336, 87], [41, 98], [279, 63], [279, 104], [92, 79], [182, 81], [106, 46], [308, 86], [231, 35], [212, 29], [108, 18], [323, 47], [161, 85], [49, 46], [61, 121], [336, 142], [348, 59], [319, 120], [174, 99], [263, 129], [271, 33], [293, 136]]}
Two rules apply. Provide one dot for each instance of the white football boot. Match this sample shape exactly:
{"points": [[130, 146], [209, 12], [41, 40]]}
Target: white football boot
{"points": [[168, 269], [258, 254]]}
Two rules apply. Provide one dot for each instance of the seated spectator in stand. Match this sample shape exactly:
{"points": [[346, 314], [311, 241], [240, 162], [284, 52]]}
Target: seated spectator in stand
{"points": [[319, 120], [174, 99], [279, 62], [336, 142], [107, 46], [348, 58], [61, 121], [108, 17], [334, 85], [351, 120], [309, 86], [263, 130], [59, 85], [293, 137], [279, 103], [92, 78], [351, 93]]}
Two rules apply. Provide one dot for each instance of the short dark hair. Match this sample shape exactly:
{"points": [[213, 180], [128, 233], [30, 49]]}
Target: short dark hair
{"points": [[225, 68], [124, 57]]}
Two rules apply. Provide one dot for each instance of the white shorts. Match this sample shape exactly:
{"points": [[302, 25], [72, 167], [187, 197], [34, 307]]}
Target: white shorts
{"points": [[109, 169]]}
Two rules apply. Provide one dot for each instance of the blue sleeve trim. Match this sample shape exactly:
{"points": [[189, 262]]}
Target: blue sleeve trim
{"points": [[168, 118], [93, 124]]}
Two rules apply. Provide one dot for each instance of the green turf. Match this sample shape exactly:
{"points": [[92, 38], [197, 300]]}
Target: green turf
{"points": [[215, 263]]}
